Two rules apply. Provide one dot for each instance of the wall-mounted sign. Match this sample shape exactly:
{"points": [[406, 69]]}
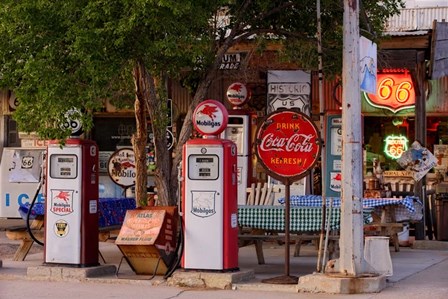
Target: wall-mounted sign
{"points": [[395, 146], [237, 94], [288, 145], [13, 102], [210, 117], [73, 122], [332, 174], [289, 90], [121, 167], [395, 92], [230, 61]]}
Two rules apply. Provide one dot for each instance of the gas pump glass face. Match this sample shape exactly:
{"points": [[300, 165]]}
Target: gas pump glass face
{"points": [[63, 166], [203, 167]]}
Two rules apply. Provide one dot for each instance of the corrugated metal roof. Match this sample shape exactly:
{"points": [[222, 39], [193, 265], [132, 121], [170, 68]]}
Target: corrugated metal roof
{"points": [[417, 18], [406, 33]]}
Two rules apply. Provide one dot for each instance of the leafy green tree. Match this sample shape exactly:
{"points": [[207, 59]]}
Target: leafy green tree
{"points": [[58, 55]]}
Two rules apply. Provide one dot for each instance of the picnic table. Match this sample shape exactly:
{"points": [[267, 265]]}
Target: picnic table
{"points": [[390, 213], [111, 213]]}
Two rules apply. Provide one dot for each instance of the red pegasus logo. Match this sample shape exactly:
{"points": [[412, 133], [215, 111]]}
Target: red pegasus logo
{"points": [[63, 195], [209, 111], [127, 164], [237, 87]]}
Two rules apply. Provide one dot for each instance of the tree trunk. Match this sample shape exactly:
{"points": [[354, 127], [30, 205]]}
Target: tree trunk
{"points": [[139, 138], [167, 167]]}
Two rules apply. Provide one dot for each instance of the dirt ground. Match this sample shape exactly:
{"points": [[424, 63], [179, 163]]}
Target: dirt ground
{"points": [[9, 247], [7, 250]]}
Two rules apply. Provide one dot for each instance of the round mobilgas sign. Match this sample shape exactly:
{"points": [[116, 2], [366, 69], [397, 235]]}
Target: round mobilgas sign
{"points": [[288, 145], [210, 117], [237, 94], [121, 167]]}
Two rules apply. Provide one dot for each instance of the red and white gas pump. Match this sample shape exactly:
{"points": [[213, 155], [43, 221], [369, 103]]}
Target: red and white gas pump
{"points": [[71, 216], [239, 130], [210, 219]]}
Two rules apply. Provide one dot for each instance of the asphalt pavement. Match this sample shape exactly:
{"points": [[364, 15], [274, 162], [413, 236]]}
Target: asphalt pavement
{"points": [[418, 272]]}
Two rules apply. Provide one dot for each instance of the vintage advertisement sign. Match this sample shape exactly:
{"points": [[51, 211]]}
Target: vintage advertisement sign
{"points": [[61, 201], [288, 145], [203, 203], [394, 92], [141, 227], [237, 94], [289, 90], [121, 167], [418, 159], [210, 117]]}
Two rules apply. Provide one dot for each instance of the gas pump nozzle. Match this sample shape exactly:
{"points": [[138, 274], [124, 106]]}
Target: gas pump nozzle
{"points": [[180, 179]]}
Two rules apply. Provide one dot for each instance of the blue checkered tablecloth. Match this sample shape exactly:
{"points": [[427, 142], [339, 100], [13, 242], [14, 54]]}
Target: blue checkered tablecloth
{"points": [[111, 211], [302, 219], [407, 208]]}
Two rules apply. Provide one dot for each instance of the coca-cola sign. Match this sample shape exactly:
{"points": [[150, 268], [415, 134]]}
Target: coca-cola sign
{"points": [[288, 145]]}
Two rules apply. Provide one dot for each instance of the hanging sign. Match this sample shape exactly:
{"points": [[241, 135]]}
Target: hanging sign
{"points": [[395, 92], [395, 146], [288, 145], [418, 159], [210, 117]]}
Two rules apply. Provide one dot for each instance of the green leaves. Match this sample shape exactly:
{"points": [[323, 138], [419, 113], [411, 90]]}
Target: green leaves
{"points": [[76, 53]]}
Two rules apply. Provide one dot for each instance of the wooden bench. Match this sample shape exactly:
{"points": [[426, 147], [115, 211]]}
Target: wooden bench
{"points": [[20, 233]]}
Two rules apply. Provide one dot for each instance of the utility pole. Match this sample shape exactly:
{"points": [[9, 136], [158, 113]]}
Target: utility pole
{"points": [[351, 261]]}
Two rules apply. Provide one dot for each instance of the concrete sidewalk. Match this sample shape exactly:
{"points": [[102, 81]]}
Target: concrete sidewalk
{"points": [[406, 263]]}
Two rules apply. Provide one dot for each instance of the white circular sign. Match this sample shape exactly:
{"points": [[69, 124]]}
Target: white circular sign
{"points": [[121, 167], [237, 94], [169, 139], [73, 122], [13, 102], [210, 117]]}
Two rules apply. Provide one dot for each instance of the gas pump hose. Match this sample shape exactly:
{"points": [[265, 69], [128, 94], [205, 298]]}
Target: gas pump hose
{"points": [[28, 214], [179, 251], [180, 243]]}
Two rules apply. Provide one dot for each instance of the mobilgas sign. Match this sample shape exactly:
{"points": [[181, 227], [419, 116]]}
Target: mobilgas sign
{"points": [[237, 94], [210, 117]]}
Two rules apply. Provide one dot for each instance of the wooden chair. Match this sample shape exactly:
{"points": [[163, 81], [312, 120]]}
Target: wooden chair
{"points": [[260, 195], [257, 194]]}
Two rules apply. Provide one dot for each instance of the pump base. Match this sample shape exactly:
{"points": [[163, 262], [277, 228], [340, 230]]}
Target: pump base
{"points": [[230, 270], [71, 265], [284, 279]]}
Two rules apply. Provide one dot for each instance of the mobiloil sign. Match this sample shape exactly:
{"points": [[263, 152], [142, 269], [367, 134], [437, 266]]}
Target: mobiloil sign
{"points": [[20, 171]]}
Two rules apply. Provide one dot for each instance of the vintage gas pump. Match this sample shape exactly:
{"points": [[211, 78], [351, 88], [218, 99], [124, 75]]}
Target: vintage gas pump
{"points": [[239, 130], [71, 217], [210, 220]]}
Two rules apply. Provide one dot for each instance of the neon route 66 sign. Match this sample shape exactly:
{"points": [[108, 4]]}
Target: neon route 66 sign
{"points": [[395, 92], [395, 146]]}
